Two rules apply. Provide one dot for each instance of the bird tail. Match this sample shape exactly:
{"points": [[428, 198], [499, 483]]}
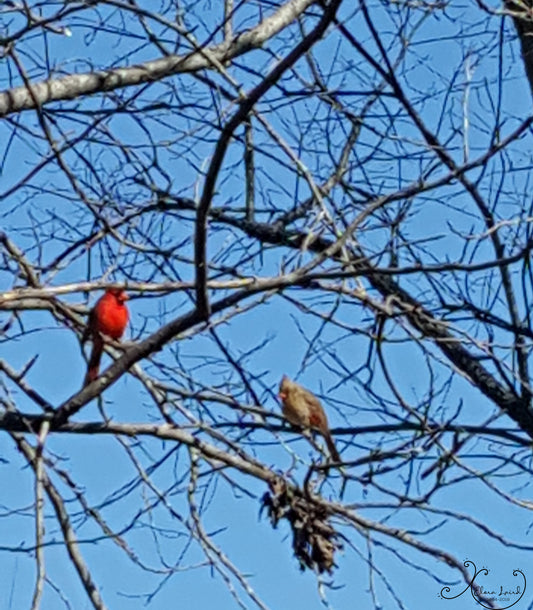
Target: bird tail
{"points": [[331, 447], [94, 361]]}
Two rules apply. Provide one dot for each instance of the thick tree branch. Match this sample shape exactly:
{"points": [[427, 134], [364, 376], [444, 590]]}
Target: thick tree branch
{"points": [[522, 14], [77, 85], [418, 316], [246, 105]]}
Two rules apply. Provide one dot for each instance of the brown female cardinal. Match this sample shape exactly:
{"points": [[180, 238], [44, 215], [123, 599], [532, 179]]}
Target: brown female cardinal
{"points": [[303, 408], [108, 317]]}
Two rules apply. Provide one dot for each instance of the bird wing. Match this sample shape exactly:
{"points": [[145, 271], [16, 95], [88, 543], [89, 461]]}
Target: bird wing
{"points": [[317, 417], [311, 400]]}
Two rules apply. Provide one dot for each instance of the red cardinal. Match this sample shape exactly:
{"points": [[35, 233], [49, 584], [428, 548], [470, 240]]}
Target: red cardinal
{"points": [[303, 408], [108, 317]]}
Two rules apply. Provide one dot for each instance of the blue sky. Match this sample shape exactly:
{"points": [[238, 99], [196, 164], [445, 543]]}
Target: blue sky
{"points": [[336, 365]]}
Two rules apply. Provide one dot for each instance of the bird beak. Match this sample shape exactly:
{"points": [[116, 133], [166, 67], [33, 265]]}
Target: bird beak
{"points": [[124, 297], [282, 395]]}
